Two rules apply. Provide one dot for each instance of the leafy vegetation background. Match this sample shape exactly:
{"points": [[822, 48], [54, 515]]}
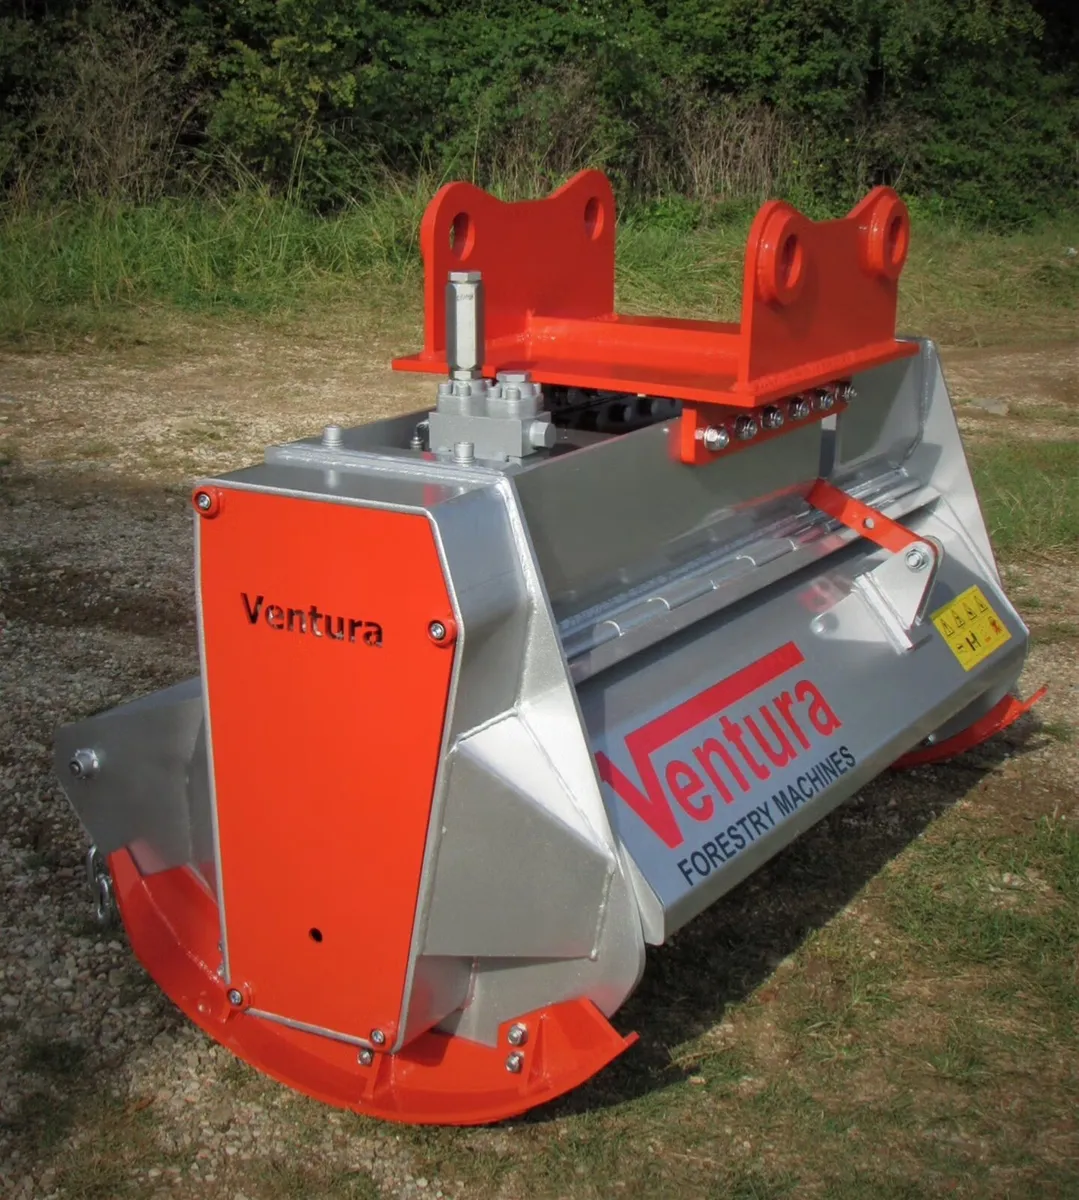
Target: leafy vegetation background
{"points": [[969, 107]]}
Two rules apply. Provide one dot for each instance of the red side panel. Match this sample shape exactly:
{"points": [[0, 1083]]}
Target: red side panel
{"points": [[326, 698]]}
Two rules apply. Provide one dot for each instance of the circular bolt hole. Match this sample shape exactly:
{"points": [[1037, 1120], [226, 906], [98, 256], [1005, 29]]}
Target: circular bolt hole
{"points": [[790, 261], [593, 218], [315, 934], [462, 236], [895, 240]]}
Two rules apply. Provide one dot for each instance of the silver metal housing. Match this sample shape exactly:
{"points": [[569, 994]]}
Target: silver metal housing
{"points": [[606, 597]]}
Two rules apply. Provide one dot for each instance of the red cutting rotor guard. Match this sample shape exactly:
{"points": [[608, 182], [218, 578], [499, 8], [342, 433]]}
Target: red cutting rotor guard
{"points": [[436, 1079], [818, 301]]}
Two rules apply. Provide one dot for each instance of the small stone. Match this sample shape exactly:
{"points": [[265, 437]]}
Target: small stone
{"points": [[998, 408]]}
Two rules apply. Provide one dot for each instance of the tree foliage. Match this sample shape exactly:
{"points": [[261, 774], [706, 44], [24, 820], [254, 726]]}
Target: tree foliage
{"points": [[972, 105]]}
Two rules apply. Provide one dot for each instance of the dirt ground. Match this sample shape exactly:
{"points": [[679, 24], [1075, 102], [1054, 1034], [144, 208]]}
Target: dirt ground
{"points": [[105, 1090]]}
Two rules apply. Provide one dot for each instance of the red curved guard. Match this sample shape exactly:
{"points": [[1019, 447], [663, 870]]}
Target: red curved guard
{"points": [[1006, 712], [172, 923]]}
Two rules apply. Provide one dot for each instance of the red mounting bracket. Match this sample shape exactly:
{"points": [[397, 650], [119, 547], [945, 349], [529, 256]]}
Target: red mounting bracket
{"points": [[818, 300]]}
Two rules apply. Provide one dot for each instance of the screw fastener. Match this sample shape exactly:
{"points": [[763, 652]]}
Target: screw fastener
{"points": [[800, 408], [772, 418], [204, 501], [365, 1057], [84, 764], [436, 631], [517, 1034], [917, 559], [236, 997], [716, 438], [378, 1037], [515, 1062], [746, 428]]}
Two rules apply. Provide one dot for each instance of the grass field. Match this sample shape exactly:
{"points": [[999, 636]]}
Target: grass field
{"points": [[114, 273]]}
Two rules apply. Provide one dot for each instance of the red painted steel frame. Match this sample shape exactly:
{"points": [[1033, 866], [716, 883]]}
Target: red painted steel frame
{"points": [[1003, 714], [172, 922], [818, 301]]}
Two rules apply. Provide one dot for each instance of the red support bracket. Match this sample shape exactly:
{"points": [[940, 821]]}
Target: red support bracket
{"points": [[818, 300], [867, 522]]}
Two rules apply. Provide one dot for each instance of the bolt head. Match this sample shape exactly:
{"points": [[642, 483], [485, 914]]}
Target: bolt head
{"points": [[716, 438], [825, 401], [917, 559], [235, 997], [436, 631], [515, 1063], [204, 501], [772, 418], [365, 1057], [746, 428], [84, 764], [799, 408], [517, 1034], [378, 1037]]}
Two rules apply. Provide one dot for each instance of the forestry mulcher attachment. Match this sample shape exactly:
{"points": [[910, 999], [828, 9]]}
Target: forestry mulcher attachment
{"points": [[495, 695]]}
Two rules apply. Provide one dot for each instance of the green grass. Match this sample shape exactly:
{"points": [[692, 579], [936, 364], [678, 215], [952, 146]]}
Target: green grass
{"points": [[84, 270], [1030, 494], [921, 1043]]}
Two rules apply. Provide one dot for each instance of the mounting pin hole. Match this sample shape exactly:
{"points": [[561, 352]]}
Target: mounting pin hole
{"points": [[462, 236], [593, 218], [790, 262], [315, 934], [895, 247]]}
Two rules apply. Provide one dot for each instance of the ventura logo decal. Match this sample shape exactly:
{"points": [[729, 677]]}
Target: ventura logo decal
{"points": [[311, 622], [730, 756]]}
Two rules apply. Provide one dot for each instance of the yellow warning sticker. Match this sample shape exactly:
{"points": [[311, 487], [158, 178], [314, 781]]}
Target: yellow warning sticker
{"points": [[970, 627]]}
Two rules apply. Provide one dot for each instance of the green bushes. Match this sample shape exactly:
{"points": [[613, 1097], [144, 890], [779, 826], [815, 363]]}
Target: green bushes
{"points": [[968, 104]]}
